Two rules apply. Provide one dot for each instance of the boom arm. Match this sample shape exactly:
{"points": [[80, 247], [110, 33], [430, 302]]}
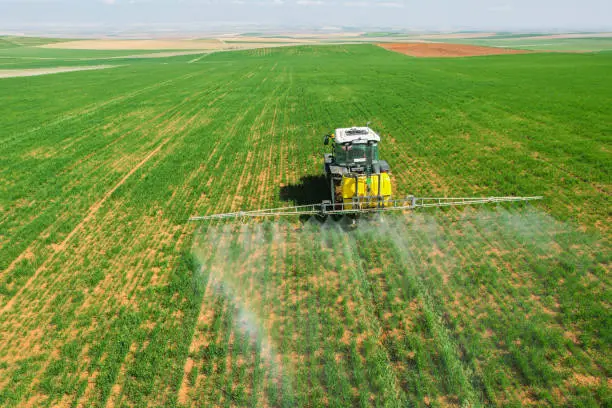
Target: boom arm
{"points": [[326, 208]]}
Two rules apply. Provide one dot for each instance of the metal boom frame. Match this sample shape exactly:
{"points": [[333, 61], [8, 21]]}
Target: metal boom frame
{"points": [[366, 205]]}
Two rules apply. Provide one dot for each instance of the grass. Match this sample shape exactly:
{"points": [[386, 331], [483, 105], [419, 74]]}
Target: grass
{"points": [[108, 296]]}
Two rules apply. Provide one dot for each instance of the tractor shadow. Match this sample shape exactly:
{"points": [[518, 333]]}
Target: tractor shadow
{"points": [[313, 190], [308, 190]]}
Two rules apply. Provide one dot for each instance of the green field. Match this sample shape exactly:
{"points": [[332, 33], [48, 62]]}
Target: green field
{"points": [[109, 297]]}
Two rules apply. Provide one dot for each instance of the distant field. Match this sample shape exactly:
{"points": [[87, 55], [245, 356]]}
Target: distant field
{"points": [[443, 50], [16, 42], [501, 36], [28, 51], [200, 44], [122, 44], [34, 57], [42, 53], [108, 297], [595, 44]]}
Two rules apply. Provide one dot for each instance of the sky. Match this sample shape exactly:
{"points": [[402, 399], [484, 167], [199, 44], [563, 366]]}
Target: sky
{"points": [[441, 15]]}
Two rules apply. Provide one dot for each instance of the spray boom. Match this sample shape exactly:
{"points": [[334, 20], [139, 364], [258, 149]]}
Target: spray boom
{"points": [[366, 204]]}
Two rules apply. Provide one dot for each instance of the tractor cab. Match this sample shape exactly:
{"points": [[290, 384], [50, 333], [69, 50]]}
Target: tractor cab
{"points": [[353, 147], [354, 150]]}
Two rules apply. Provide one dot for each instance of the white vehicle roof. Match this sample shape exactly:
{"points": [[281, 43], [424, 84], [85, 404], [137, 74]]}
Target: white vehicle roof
{"points": [[356, 135]]}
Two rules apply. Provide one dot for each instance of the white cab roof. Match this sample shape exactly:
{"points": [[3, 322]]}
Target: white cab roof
{"points": [[356, 134]]}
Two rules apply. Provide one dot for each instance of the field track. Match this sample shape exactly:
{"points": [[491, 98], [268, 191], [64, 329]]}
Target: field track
{"points": [[108, 297]]}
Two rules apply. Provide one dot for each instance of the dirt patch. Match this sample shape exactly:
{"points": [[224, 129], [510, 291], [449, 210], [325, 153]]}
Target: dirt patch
{"points": [[572, 336], [41, 152], [586, 380], [10, 73], [433, 50], [183, 391]]}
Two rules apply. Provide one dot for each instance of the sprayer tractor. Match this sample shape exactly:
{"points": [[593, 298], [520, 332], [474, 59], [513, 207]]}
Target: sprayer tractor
{"points": [[357, 177], [359, 183]]}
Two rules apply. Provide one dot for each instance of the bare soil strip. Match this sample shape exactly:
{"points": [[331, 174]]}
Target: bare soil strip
{"points": [[434, 50], [11, 73]]}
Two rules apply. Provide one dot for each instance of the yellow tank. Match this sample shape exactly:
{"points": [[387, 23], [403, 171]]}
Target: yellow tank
{"points": [[360, 183]]}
